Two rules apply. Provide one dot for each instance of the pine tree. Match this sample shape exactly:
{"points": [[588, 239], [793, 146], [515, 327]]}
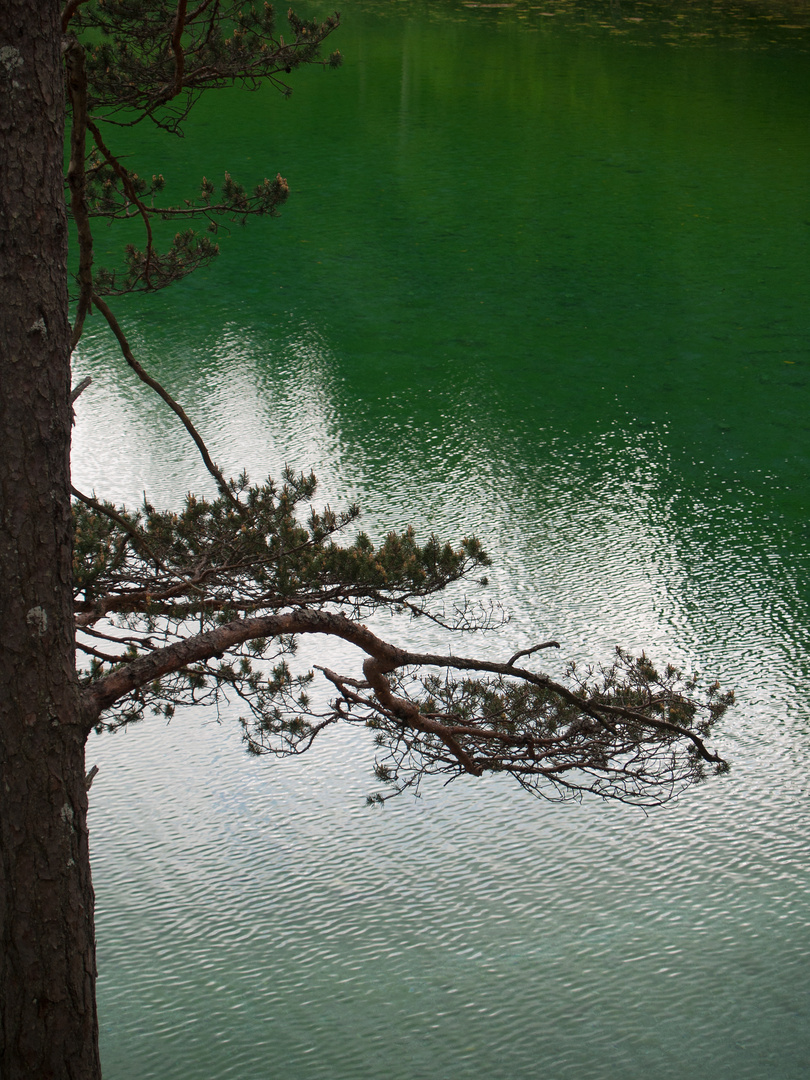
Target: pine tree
{"points": [[169, 608]]}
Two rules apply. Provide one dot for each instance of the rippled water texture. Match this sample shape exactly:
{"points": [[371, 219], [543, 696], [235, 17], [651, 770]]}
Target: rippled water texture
{"points": [[543, 276]]}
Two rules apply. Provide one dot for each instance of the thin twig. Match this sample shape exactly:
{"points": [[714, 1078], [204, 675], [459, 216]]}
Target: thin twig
{"points": [[80, 388], [129, 189], [533, 649], [176, 408]]}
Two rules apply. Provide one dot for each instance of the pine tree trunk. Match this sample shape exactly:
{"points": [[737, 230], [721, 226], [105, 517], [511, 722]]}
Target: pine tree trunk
{"points": [[48, 1024]]}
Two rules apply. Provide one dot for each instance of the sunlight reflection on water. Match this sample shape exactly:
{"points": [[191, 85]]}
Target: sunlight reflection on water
{"points": [[541, 340], [468, 933]]}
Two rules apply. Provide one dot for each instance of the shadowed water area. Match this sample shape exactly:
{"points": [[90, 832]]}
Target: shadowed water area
{"points": [[543, 276]]}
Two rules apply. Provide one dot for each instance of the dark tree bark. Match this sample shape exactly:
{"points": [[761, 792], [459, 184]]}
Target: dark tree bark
{"points": [[48, 1024]]}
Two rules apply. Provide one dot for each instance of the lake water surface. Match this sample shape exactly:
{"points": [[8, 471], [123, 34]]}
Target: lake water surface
{"points": [[543, 276]]}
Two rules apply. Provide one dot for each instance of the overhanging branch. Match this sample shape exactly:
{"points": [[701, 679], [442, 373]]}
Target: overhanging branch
{"points": [[382, 659]]}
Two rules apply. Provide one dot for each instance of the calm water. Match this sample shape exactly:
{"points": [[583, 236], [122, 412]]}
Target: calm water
{"points": [[543, 276]]}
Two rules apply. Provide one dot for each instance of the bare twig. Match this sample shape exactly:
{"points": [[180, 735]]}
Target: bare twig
{"points": [[79, 388], [177, 409], [533, 649]]}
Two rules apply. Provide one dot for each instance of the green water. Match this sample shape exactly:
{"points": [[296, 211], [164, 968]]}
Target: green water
{"points": [[544, 277]]}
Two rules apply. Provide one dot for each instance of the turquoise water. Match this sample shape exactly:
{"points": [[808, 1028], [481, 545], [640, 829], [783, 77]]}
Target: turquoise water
{"points": [[543, 277]]}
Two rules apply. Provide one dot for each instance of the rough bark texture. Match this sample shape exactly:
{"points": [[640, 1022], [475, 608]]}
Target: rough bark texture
{"points": [[48, 1022]]}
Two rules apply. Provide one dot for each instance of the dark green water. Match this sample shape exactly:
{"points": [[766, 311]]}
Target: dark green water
{"points": [[544, 277]]}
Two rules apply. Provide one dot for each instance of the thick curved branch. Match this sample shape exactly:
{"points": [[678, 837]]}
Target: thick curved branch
{"points": [[375, 672], [104, 693], [69, 11], [383, 658]]}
